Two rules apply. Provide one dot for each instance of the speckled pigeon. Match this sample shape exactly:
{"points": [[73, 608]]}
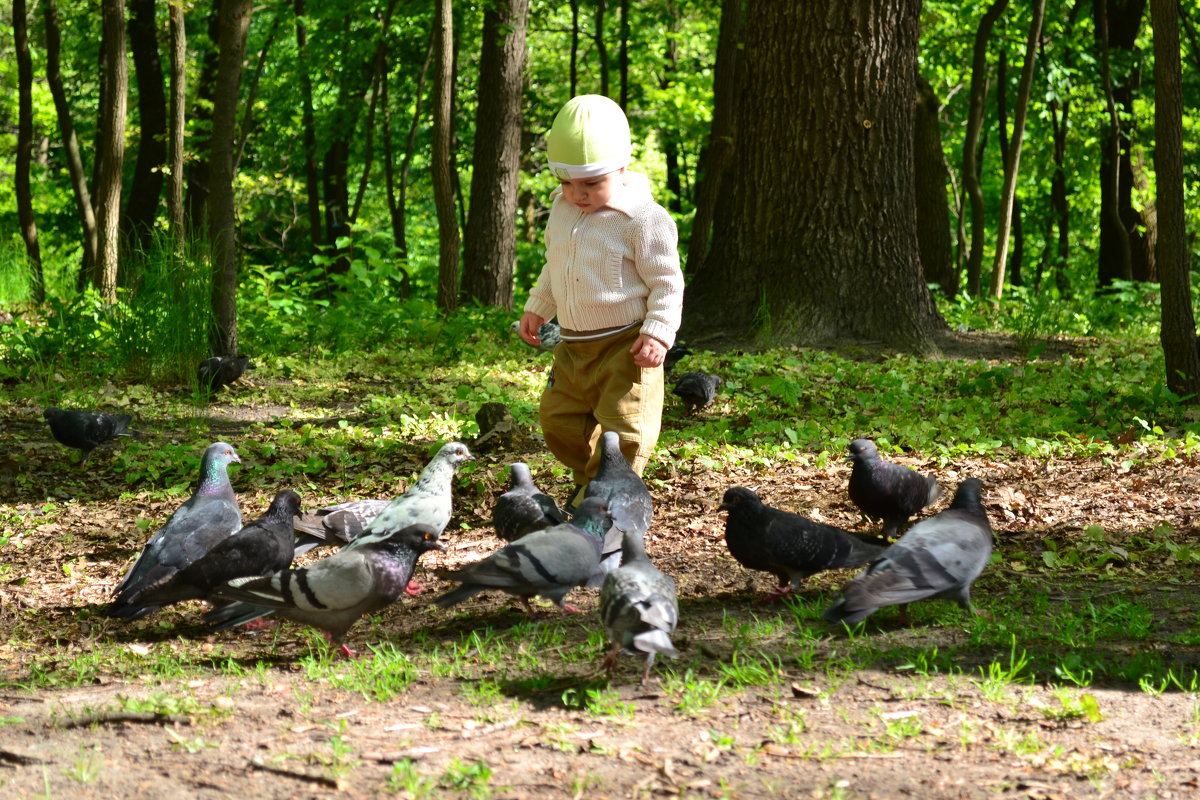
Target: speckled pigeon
{"points": [[216, 372], [697, 390], [84, 430], [787, 545], [550, 562], [938, 557], [885, 490], [628, 500], [428, 501], [524, 508], [638, 607], [333, 593], [260, 548], [549, 335], [209, 516]]}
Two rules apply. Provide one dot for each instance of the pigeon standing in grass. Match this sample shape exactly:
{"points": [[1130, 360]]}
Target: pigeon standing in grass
{"points": [[627, 497], [333, 593], [677, 352], [208, 517], [218, 372], [337, 524], [787, 545], [697, 390], [638, 607], [524, 508], [885, 490], [938, 557], [84, 430], [260, 548], [550, 562]]}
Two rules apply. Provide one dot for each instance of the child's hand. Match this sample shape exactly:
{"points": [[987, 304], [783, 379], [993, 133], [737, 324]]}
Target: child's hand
{"points": [[648, 352], [530, 322]]}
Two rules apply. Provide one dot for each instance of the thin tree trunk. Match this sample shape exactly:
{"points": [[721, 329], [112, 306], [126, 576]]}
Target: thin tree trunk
{"points": [[178, 124], [197, 172], [1018, 233], [378, 79], [934, 242], [1012, 162], [574, 71], [399, 201], [252, 90], [443, 180], [145, 188], [669, 138], [1111, 203], [623, 55], [1178, 329], [601, 46], [111, 147], [970, 169], [312, 178], [24, 191]]}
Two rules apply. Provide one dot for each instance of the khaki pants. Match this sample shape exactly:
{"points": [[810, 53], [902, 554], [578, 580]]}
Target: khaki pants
{"points": [[596, 387]]}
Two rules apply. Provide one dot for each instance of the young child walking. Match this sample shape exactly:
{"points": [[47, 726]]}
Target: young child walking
{"points": [[612, 278]]}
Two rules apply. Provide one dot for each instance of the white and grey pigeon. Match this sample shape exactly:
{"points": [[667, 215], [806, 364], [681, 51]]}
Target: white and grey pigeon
{"points": [[697, 390], [627, 497], [209, 516], [337, 524], [638, 607], [938, 557], [885, 490], [549, 334], [550, 562], [334, 593], [85, 430], [524, 508]]}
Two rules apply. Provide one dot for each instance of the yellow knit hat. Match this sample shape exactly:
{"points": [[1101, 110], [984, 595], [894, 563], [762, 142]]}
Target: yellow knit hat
{"points": [[589, 137]]}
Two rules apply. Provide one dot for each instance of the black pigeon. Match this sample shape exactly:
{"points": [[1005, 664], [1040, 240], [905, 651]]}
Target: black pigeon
{"points": [[84, 430], [524, 508], [261, 548], [550, 562], [677, 352], [216, 372], [938, 557], [885, 490], [638, 607], [696, 390], [209, 516], [787, 545], [337, 524], [332, 594], [627, 497]]}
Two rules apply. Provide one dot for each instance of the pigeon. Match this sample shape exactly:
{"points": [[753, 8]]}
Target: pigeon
{"points": [[549, 562], [337, 524], [333, 593], [885, 490], [787, 545], [219, 371], [84, 430], [938, 557], [638, 607], [549, 335], [627, 497], [209, 516], [697, 390], [677, 352], [427, 501], [261, 548], [524, 508]]}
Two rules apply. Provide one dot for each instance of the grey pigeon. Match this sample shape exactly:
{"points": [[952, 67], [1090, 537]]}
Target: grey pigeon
{"points": [[428, 501], [888, 491], [787, 545], [209, 516], [627, 497], [638, 607], [550, 562], [84, 430], [938, 557], [524, 508], [217, 372], [260, 548], [337, 524], [697, 390], [333, 593]]}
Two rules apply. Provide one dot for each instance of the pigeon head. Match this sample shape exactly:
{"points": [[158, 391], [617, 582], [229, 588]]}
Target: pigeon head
{"points": [[968, 494], [739, 497], [419, 538], [285, 505], [519, 475], [863, 449], [455, 453], [221, 453], [592, 515], [51, 413]]}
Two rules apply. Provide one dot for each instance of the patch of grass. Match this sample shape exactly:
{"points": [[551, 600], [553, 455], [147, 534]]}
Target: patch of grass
{"points": [[87, 765], [473, 779]]}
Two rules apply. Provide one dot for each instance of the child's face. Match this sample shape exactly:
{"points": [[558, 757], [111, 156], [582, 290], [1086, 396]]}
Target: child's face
{"points": [[592, 194]]}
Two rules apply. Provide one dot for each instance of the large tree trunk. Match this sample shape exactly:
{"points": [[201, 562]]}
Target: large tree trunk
{"points": [[222, 212], [935, 242], [970, 169], [1178, 330], [23, 189], [442, 168], [111, 148], [824, 91], [1012, 160], [145, 189], [489, 249], [178, 113]]}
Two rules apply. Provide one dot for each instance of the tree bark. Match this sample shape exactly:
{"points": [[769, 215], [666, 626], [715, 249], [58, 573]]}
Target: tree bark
{"points": [[312, 178], [1116, 258], [970, 169], [197, 171], [111, 148], [398, 190], [601, 45], [178, 124], [825, 108], [441, 168], [935, 242], [145, 188], [252, 91], [1012, 162], [222, 212], [669, 138], [489, 249], [623, 55], [574, 59], [1178, 331], [24, 191]]}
